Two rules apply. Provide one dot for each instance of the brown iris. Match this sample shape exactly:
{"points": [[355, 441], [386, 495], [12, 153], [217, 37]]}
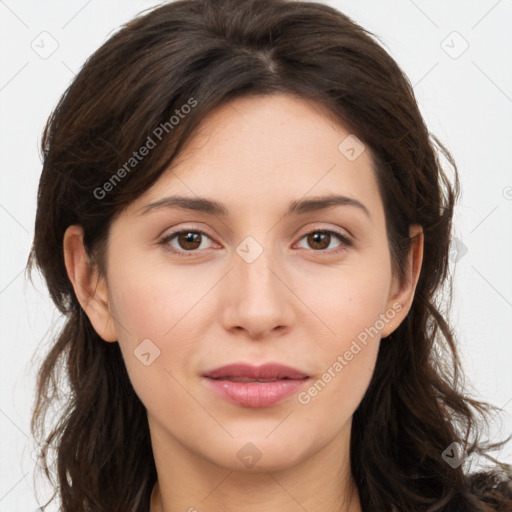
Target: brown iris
{"points": [[319, 239], [189, 240]]}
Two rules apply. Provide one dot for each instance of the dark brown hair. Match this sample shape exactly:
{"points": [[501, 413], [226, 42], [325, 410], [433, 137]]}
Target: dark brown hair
{"points": [[209, 52]]}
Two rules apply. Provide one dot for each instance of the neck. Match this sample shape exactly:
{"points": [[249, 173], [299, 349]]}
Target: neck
{"points": [[349, 503], [186, 482]]}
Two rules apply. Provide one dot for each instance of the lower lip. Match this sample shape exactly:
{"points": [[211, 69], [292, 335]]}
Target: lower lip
{"points": [[256, 394]]}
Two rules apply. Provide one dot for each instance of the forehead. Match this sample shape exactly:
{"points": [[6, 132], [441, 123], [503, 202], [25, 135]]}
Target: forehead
{"points": [[261, 150], [267, 128]]}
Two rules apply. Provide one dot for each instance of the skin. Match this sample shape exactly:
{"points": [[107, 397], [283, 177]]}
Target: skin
{"points": [[298, 303]]}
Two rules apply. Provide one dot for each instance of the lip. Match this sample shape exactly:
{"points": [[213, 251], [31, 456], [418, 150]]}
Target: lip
{"points": [[255, 386]]}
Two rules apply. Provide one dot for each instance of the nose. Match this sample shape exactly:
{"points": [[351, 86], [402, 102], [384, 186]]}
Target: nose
{"points": [[256, 298]]}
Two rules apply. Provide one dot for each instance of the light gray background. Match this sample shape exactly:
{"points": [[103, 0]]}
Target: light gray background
{"points": [[465, 96]]}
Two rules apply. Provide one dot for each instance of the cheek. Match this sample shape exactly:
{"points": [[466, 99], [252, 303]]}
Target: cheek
{"points": [[352, 308], [345, 359], [349, 299], [153, 300], [160, 318]]}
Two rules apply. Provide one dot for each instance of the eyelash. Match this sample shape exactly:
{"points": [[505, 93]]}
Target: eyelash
{"points": [[345, 241]]}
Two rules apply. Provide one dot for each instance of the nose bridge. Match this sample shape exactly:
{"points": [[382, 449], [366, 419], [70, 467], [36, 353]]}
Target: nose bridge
{"points": [[258, 301], [255, 267]]}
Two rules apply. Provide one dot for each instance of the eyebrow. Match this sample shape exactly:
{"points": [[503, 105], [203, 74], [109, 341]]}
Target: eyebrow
{"points": [[212, 207]]}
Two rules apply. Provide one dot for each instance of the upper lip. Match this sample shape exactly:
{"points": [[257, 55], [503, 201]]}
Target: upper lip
{"points": [[265, 371]]}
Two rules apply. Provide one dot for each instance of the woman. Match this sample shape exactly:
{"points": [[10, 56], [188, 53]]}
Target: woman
{"points": [[246, 223]]}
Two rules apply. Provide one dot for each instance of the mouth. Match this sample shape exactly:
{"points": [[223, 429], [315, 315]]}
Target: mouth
{"points": [[255, 386]]}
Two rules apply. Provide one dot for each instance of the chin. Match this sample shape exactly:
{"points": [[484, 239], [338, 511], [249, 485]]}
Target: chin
{"points": [[254, 455]]}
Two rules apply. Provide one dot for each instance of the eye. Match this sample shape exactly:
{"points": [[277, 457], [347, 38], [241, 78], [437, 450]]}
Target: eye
{"points": [[319, 240], [187, 240], [191, 240]]}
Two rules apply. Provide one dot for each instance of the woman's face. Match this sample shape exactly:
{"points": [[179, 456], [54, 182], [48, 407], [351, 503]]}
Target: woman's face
{"points": [[264, 281]]}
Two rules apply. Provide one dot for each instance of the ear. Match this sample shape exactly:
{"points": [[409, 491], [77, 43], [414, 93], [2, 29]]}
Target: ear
{"points": [[402, 294], [90, 290]]}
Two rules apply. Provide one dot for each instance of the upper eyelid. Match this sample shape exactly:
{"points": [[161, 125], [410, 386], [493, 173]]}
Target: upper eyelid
{"points": [[336, 231]]}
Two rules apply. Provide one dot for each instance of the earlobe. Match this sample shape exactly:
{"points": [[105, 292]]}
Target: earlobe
{"points": [[90, 290], [402, 295]]}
